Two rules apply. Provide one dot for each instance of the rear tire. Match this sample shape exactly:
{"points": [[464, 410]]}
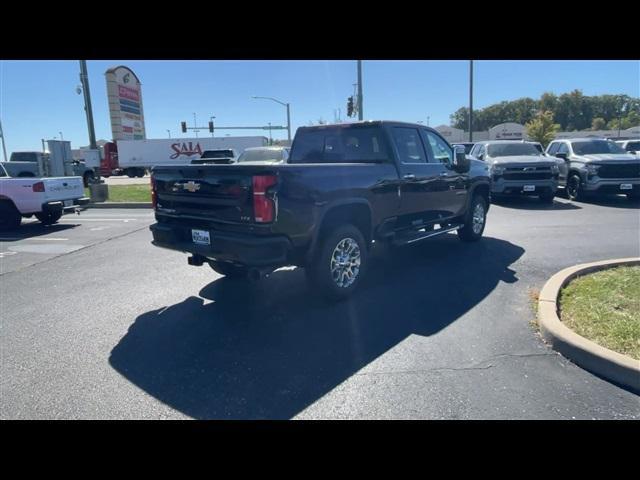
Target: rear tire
{"points": [[474, 220], [10, 217], [48, 218], [88, 179], [340, 263], [229, 270]]}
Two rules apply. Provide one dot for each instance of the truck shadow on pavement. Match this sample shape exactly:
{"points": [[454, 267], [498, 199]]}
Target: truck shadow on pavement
{"points": [[271, 350]]}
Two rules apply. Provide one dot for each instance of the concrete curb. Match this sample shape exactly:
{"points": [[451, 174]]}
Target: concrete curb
{"points": [[120, 205], [611, 365]]}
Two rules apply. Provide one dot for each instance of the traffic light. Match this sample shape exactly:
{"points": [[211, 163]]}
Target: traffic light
{"points": [[184, 127], [350, 107], [211, 127]]}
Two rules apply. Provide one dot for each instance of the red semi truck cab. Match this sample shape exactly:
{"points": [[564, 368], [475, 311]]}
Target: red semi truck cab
{"points": [[109, 161]]}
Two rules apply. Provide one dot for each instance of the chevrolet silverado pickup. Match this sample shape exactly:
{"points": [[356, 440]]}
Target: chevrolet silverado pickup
{"points": [[46, 198], [590, 166], [345, 186], [518, 168]]}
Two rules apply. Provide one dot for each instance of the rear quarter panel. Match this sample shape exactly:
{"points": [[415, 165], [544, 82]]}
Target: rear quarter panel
{"points": [[21, 193]]}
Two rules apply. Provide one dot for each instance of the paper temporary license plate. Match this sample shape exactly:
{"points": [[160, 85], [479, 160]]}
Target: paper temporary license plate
{"points": [[529, 188], [68, 203], [626, 186], [201, 237]]}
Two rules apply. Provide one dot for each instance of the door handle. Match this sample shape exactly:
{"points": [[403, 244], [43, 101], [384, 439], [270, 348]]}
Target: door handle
{"points": [[409, 176], [443, 174]]}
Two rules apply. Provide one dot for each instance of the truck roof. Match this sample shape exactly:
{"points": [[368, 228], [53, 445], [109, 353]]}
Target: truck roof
{"points": [[361, 123]]}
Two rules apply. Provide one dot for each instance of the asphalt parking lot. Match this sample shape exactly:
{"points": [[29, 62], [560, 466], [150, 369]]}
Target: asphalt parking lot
{"points": [[97, 323]]}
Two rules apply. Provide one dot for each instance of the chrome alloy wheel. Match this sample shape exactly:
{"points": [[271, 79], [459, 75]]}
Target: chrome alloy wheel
{"points": [[478, 218], [345, 262]]}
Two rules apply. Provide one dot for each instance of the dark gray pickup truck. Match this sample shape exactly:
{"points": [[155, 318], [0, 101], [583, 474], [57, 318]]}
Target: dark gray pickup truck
{"points": [[344, 187]]}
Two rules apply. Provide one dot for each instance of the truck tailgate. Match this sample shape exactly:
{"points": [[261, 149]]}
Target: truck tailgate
{"points": [[222, 193], [63, 188]]}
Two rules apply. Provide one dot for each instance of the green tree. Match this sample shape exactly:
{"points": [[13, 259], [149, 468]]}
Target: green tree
{"points": [[542, 129], [598, 123]]}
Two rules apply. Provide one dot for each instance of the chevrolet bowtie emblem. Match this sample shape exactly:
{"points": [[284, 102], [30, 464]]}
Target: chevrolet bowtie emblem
{"points": [[189, 186]]}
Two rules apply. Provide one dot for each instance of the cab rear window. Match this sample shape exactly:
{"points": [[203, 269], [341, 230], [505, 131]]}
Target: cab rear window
{"points": [[339, 145]]}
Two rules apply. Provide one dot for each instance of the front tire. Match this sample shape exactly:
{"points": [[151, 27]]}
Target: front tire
{"points": [[574, 188], [48, 218], [10, 217], [340, 263], [474, 220]]}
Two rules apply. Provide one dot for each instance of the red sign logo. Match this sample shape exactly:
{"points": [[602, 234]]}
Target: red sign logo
{"points": [[128, 93], [186, 149]]}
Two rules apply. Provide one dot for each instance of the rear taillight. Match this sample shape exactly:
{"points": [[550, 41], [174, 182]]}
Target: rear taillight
{"points": [[264, 207], [154, 194], [38, 187]]}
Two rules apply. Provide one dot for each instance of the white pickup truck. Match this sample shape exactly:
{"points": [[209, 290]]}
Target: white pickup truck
{"points": [[46, 198]]}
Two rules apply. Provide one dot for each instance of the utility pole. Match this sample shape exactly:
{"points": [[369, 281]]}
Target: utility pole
{"points": [[360, 113], [4, 147], [169, 132], [99, 192], [471, 100], [84, 80]]}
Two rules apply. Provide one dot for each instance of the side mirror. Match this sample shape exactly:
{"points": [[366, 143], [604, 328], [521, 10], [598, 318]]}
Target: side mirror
{"points": [[461, 163], [561, 155]]}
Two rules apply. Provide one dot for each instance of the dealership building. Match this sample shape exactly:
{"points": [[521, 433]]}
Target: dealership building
{"points": [[516, 131]]}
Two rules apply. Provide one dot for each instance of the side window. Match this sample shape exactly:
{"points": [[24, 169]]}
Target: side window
{"points": [[441, 151], [553, 148], [563, 148], [474, 150], [409, 145]]}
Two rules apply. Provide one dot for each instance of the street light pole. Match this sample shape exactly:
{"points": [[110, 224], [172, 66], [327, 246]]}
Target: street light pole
{"points": [[288, 114], [360, 100], [288, 125], [211, 119], [4, 147], [471, 100], [169, 132]]}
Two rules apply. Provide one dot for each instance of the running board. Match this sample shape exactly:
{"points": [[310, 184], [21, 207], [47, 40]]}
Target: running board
{"points": [[417, 236]]}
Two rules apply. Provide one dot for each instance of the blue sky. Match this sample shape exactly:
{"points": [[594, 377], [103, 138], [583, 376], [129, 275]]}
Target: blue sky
{"points": [[38, 98]]}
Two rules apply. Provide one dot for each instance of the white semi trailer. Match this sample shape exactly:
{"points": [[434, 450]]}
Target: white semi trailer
{"points": [[133, 157]]}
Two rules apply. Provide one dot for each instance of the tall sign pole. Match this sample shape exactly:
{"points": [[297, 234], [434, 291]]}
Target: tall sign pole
{"points": [[471, 100], [84, 80], [4, 147], [360, 113]]}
